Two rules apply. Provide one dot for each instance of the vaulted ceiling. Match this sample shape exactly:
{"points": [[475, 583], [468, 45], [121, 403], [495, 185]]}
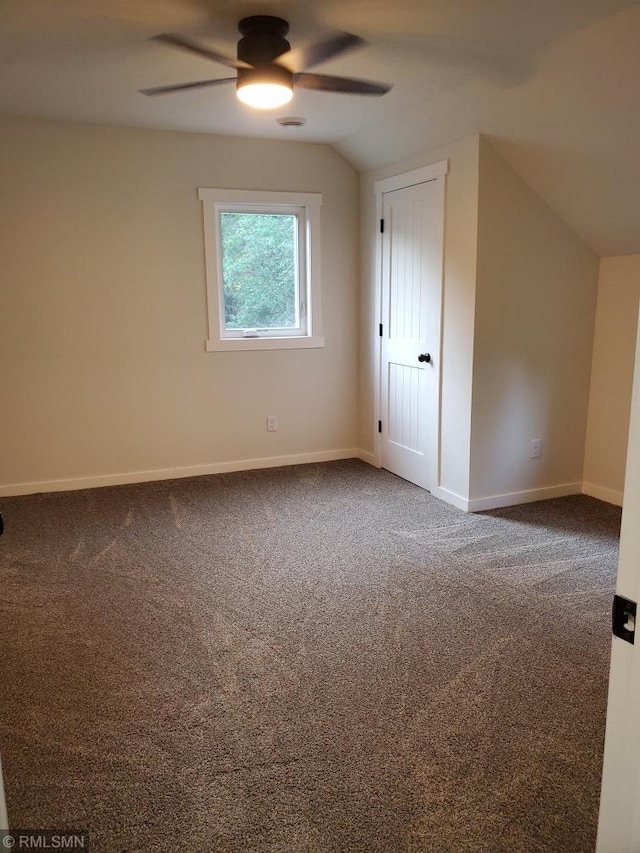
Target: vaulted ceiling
{"points": [[554, 83]]}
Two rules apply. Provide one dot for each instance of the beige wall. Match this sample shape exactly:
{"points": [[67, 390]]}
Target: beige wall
{"points": [[518, 315], [612, 377], [103, 315], [535, 307], [458, 305]]}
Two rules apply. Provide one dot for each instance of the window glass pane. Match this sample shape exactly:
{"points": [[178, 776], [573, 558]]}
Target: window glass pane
{"points": [[259, 270]]}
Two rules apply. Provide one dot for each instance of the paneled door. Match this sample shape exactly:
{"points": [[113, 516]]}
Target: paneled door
{"points": [[411, 264]]}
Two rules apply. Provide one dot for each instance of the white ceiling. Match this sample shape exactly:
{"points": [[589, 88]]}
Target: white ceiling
{"points": [[555, 83]]}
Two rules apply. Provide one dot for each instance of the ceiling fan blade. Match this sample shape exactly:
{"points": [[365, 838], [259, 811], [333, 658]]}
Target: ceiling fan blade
{"points": [[183, 87], [314, 54], [176, 40], [327, 83]]}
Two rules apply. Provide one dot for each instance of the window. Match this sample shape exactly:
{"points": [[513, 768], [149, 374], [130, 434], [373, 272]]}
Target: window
{"points": [[262, 267]]}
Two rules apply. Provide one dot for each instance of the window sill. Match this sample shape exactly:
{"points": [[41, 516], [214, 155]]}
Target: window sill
{"points": [[238, 344]]}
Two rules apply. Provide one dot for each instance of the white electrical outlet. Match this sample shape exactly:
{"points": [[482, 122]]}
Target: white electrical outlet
{"points": [[272, 423], [535, 448]]}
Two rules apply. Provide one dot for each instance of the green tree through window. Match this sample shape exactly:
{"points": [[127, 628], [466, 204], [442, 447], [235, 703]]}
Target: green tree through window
{"points": [[259, 269]]}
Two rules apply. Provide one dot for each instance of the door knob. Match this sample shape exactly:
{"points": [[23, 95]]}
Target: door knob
{"points": [[424, 356]]}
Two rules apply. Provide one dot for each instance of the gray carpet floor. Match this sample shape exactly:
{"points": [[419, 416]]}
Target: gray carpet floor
{"points": [[311, 659]]}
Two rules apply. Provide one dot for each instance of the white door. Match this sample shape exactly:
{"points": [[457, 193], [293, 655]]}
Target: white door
{"points": [[412, 247], [619, 824]]}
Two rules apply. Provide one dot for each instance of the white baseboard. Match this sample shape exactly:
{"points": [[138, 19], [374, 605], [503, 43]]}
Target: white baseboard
{"points": [[72, 484], [474, 505], [526, 497], [611, 496], [451, 498], [367, 457], [509, 499]]}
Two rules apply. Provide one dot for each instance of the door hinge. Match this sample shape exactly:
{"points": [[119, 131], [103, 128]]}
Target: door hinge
{"points": [[380, 329], [379, 426], [382, 226]]}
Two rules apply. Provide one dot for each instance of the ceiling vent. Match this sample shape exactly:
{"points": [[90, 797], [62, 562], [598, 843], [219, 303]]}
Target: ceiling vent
{"points": [[291, 121]]}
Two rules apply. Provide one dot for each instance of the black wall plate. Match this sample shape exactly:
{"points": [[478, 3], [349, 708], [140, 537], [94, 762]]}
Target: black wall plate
{"points": [[623, 618]]}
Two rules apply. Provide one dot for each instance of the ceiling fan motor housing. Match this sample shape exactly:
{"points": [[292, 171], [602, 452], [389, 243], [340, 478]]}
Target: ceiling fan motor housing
{"points": [[263, 39]]}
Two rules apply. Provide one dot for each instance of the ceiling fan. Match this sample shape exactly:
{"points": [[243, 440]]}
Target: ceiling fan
{"points": [[268, 68]]}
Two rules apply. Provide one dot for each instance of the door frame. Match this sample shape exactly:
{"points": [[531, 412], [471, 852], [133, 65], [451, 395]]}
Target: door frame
{"points": [[434, 172]]}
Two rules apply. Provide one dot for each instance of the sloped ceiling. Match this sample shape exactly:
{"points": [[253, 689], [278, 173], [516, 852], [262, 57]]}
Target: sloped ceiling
{"points": [[572, 130], [554, 83]]}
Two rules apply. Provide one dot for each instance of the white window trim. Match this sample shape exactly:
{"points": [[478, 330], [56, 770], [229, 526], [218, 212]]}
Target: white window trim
{"points": [[311, 202]]}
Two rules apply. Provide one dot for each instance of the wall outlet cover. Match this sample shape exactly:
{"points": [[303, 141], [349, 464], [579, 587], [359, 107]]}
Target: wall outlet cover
{"points": [[535, 448]]}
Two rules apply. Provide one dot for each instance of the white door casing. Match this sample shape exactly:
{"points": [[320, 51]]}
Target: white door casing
{"points": [[410, 273]]}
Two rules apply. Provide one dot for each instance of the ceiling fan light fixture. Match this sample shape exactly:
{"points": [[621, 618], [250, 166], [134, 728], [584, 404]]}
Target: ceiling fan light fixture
{"points": [[265, 88], [264, 96]]}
